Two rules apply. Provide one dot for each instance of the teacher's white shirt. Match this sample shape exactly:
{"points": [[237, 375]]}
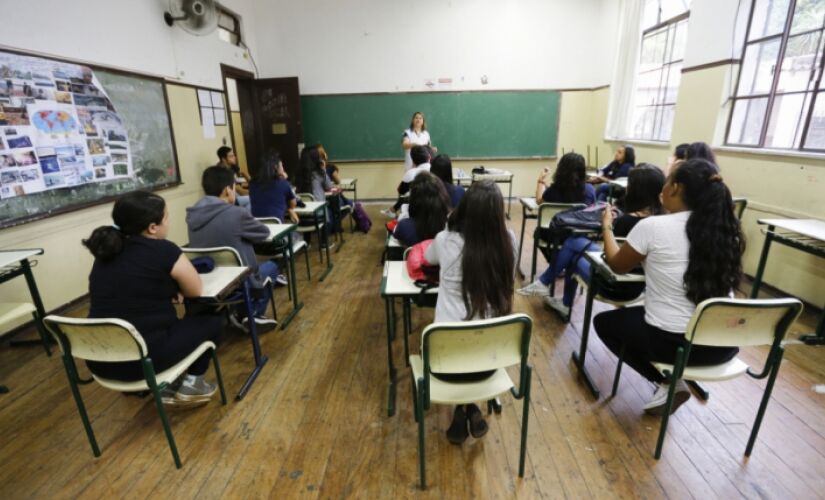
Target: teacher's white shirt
{"points": [[417, 139]]}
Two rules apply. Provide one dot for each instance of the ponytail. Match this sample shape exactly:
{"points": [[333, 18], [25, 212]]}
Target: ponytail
{"points": [[713, 230], [133, 213]]}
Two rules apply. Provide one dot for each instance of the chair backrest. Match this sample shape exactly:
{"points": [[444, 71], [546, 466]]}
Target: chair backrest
{"points": [[306, 197], [478, 345], [739, 205], [268, 220], [548, 210], [742, 322], [223, 256], [103, 339]]}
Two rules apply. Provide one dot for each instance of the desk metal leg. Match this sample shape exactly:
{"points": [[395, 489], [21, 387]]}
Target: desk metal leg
{"points": [[509, 197], [763, 259], [38, 305], [579, 358], [260, 359], [388, 309], [521, 239], [293, 285], [329, 261], [407, 329]]}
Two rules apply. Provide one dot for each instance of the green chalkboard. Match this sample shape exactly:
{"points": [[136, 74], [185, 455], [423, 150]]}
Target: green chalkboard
{"points": [[73, 136], [473, 125]]}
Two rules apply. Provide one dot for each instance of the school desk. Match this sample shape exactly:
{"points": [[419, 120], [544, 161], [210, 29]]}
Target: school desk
{"points": [[335, 203], [807, 235], [279, 232], [316, 211], [14, 263], [350, 184], [493, 174], [396, 283], [529, 210]]}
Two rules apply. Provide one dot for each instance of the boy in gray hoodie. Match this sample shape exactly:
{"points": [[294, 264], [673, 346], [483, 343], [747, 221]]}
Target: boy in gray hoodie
{"points": [[215, 221]]}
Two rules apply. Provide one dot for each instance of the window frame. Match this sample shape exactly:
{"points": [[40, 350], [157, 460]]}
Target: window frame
{"points": [[222, 11], [814, 89]]}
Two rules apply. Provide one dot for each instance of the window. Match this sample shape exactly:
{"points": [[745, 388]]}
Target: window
{"points": [[778, 102], [664, 35], [212, 107], [229, 27]]}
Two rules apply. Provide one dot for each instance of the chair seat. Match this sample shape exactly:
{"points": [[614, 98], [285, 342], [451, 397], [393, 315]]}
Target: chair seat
{"points": [[166, 376], [13, 311], [725, 371], [462, 392], [308, 229], [609, 300]]}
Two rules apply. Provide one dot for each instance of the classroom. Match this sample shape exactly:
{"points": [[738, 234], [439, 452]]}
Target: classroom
{"points": [[323, 358]]}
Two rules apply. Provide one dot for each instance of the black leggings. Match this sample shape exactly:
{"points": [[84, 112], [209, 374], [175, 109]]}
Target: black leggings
{"points": [[167, 350], [645, 344]]}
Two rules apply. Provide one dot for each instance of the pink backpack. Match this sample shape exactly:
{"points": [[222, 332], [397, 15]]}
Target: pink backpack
{"points": [[417, 266]]}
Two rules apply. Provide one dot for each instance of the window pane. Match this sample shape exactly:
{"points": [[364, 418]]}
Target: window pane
{"points": [[653, 51], [785, 127], [768, 18], [677, 39], [643, 118], [648, 87], [226, 21], [816, 130], [746, 122], [651, 14], [665, 123], [800, 59], [809, 14], [671, 86], [758, 67], [672, 8]]}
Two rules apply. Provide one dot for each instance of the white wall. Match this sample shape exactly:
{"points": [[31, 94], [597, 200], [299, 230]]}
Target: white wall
{"points": [[122, 34], [359, 46]]}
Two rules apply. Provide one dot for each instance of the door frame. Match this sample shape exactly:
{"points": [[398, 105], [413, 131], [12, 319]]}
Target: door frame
{"points": [[236, 74]]}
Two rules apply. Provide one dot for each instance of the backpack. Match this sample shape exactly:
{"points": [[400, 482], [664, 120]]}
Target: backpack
{"points": [[563, 223], [426, 276], [362, 220]]}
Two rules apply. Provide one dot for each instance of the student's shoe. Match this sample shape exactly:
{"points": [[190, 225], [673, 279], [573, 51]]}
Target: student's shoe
{"points": [[195, 390], [478, 426], [262, 323], [558, 306], [389, 213], [167, 395], [656, 405], [235, 322], [457, 432], [536, 288], [281, 280]]}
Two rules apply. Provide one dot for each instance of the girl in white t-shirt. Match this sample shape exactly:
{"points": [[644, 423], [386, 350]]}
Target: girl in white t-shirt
{"points": [[692, 254], [416, 135]]}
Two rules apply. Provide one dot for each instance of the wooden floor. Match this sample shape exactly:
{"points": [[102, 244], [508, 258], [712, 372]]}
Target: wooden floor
{"points": [[315, 425]]}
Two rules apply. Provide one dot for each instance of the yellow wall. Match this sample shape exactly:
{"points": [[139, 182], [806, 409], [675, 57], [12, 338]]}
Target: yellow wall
{"points": [[237, 140], [62, 272]]}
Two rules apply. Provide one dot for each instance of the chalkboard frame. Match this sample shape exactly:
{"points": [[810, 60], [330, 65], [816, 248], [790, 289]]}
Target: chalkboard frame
{"points": [[452, 157], [104, 199]]}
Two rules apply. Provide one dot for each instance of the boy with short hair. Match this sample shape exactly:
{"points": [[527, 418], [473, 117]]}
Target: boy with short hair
{"points": [[215, 221], [228, 159], [421, 163]]}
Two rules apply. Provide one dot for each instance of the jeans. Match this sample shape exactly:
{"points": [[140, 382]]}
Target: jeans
{"points": [[269, 270], [602, 191], [570, 254], [243, 201]]}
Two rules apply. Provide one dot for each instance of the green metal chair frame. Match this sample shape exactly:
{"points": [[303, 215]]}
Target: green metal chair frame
{"points": [[475, 329], [106, 330], [546, 211]]}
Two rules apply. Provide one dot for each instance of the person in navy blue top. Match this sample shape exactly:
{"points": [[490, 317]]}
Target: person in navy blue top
{"points": [[568, 185], [442, 167], [429, 207], [623, 161], [270, 193]]}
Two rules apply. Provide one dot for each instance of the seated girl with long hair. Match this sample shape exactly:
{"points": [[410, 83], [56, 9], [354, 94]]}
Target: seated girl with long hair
{"points": [[442, 167], [569, 183], [270, 194], [691, 254], [476, 255], [137, 276], [644, 185], [429, 206], [623, 161]]}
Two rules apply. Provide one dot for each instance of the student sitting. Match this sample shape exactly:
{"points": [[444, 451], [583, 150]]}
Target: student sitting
{"points": [[421, 163], [442, 168], [679, 154], [644, 184], [270, 194], [215, 221], [700, 150], [312, 178], [333, 174], [477, 256], [568, 185], [692, 254], [623, 161], [429, 206], [227, 159], [137, 276]]}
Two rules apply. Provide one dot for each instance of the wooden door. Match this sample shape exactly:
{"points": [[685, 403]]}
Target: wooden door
{"points": [[271, 117]]}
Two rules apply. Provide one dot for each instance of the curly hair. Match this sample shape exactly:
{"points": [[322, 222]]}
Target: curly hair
{"points": [[569, 178], [713, 230]]}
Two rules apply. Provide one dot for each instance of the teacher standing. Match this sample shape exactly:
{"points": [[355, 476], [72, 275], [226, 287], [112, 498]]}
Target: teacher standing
{"points": [[416, 135]]}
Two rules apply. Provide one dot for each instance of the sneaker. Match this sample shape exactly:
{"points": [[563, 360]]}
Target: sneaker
{"points": [[167, 395], [235, 322], [281, 280], [195, 389], [656, 405], [389, 213], [536, 288], [558, 306], [262, 323]]}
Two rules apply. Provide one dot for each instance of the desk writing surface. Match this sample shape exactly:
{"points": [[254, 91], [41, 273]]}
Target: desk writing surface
{"points": [[529, 203], [812, 228], [310, 208], [276, 231], [219, 279], [11, 257], [397, 281], [621, 182], [596, 259], [348, 183]]}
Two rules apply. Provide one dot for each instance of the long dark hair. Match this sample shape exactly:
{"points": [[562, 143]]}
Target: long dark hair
{"points": [[442, 167], [714, 232], [268, 171], [429, 205], [644, 185], [309, 165], [700, 150], [569, 178], [133, 213], [488, 261]]}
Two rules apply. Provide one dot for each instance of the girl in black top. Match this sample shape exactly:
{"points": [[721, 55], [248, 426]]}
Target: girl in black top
{"points": [[137, 276], [568, 185]]}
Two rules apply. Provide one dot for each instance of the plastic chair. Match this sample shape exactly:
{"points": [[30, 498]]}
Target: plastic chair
{"points": [[546, 212], [466, 347], [114, 340], [730, 323], [297, 247]]}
